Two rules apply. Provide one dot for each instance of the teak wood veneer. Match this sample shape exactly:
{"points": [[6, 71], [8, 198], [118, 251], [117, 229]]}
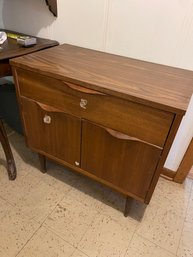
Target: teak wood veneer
{"points": [[108, 117]]}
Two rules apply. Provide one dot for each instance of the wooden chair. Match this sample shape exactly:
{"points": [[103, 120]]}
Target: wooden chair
{"points": [[11, 168]]}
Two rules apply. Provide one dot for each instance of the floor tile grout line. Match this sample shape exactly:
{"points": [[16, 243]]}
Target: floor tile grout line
{"points": [[12, 205], [129, 243], [157, 245], [57, 234], [80, 251], [189, 198], [183, 216], [97, 214], [52, 210], [28, 240]]}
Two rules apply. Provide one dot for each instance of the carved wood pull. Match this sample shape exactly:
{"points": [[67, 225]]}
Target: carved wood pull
{"points": [[120, 135], [82, 89], [48, 108]]}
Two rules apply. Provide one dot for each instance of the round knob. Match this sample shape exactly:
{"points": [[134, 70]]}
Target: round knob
{"points": [[83, 103], [77, 163], [47, 119]]}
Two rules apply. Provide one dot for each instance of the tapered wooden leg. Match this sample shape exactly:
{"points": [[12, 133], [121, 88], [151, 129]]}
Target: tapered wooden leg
{"points": [[127, 205], [42, 160], [11, 168]]}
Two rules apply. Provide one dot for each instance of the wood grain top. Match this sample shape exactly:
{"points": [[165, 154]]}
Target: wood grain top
{"points": [[10, 48], [152, 84]]}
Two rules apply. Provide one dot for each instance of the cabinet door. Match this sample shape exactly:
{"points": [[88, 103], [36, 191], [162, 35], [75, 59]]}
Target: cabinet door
{"points": [[52, 131], [126, 163]]}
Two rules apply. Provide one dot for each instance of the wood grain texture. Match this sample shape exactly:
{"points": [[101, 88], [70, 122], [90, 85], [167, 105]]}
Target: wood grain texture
{"points": [[185, 165], [126, 164], [160, 86], [5, 69], [171, 135], [137, 120], [11, 49], [60, 137]]}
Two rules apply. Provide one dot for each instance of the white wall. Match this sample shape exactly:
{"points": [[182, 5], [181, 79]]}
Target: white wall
{"points": [[1, 18], [156, 31]]}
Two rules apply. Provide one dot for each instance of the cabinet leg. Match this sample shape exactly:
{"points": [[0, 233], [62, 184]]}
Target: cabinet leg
{"points": [[127, 205], [42, 160]]}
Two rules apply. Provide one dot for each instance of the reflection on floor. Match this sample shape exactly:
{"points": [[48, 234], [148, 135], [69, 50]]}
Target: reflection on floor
{"points": [[65, 214]]}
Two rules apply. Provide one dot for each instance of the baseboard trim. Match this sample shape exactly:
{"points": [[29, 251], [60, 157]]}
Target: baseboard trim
{"points": [[168, 174]]}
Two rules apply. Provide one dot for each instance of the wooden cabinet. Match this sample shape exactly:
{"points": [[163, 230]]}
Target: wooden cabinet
{"points": [[108, 117]]}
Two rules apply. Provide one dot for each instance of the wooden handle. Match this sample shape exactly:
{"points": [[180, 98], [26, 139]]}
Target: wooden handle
{"points": [[48, 108], [120, 135], [82, 89]]}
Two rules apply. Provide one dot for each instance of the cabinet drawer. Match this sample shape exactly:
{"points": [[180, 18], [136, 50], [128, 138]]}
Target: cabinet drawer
{"points": [[137, 120]]}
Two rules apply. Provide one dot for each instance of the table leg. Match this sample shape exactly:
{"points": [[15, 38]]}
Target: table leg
{"points": [[42, 160], [11, 168], [127, 205]]}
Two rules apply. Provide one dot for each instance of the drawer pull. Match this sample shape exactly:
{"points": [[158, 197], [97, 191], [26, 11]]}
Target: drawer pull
{"points": [[120, 135], [83, 103], [82, 89], [47, 119]]}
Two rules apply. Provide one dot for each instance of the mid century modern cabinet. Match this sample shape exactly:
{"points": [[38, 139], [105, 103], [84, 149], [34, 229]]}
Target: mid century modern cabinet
{"points": [[108, 117]]}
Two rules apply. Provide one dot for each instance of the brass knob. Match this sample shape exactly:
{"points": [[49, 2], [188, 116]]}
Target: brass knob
{"points": [[47, 119], [83, 103]]}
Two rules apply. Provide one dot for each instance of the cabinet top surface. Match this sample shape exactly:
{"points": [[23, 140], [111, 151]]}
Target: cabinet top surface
{"points": [[161, 86]]}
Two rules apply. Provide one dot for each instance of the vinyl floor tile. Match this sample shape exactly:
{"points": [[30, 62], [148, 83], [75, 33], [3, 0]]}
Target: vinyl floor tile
{"points": [[71, 219], [106, 238], [46, 244], [141, 247]]}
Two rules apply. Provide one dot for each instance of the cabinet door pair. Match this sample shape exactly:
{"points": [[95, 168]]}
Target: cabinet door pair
{"points": [[124, 162]]}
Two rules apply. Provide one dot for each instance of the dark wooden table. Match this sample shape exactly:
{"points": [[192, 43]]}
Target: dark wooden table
{"points": [[10, 49]]}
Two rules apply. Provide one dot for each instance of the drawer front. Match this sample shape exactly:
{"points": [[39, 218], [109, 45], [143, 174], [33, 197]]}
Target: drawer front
{"points": [[129, 163], [137, 120]]}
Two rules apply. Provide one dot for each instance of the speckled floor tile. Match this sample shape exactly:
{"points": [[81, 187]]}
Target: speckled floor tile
{"points": [[46, 244], [39, 202], [189, 216], [70, 220], [162, 227], [113, 204], [88, 192], [13, 191], [5, 207], [78, 253], [16, 230], [186, 242], [59, 177], [174, 196], [106, 238], [22, 154], [141, 247]]}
